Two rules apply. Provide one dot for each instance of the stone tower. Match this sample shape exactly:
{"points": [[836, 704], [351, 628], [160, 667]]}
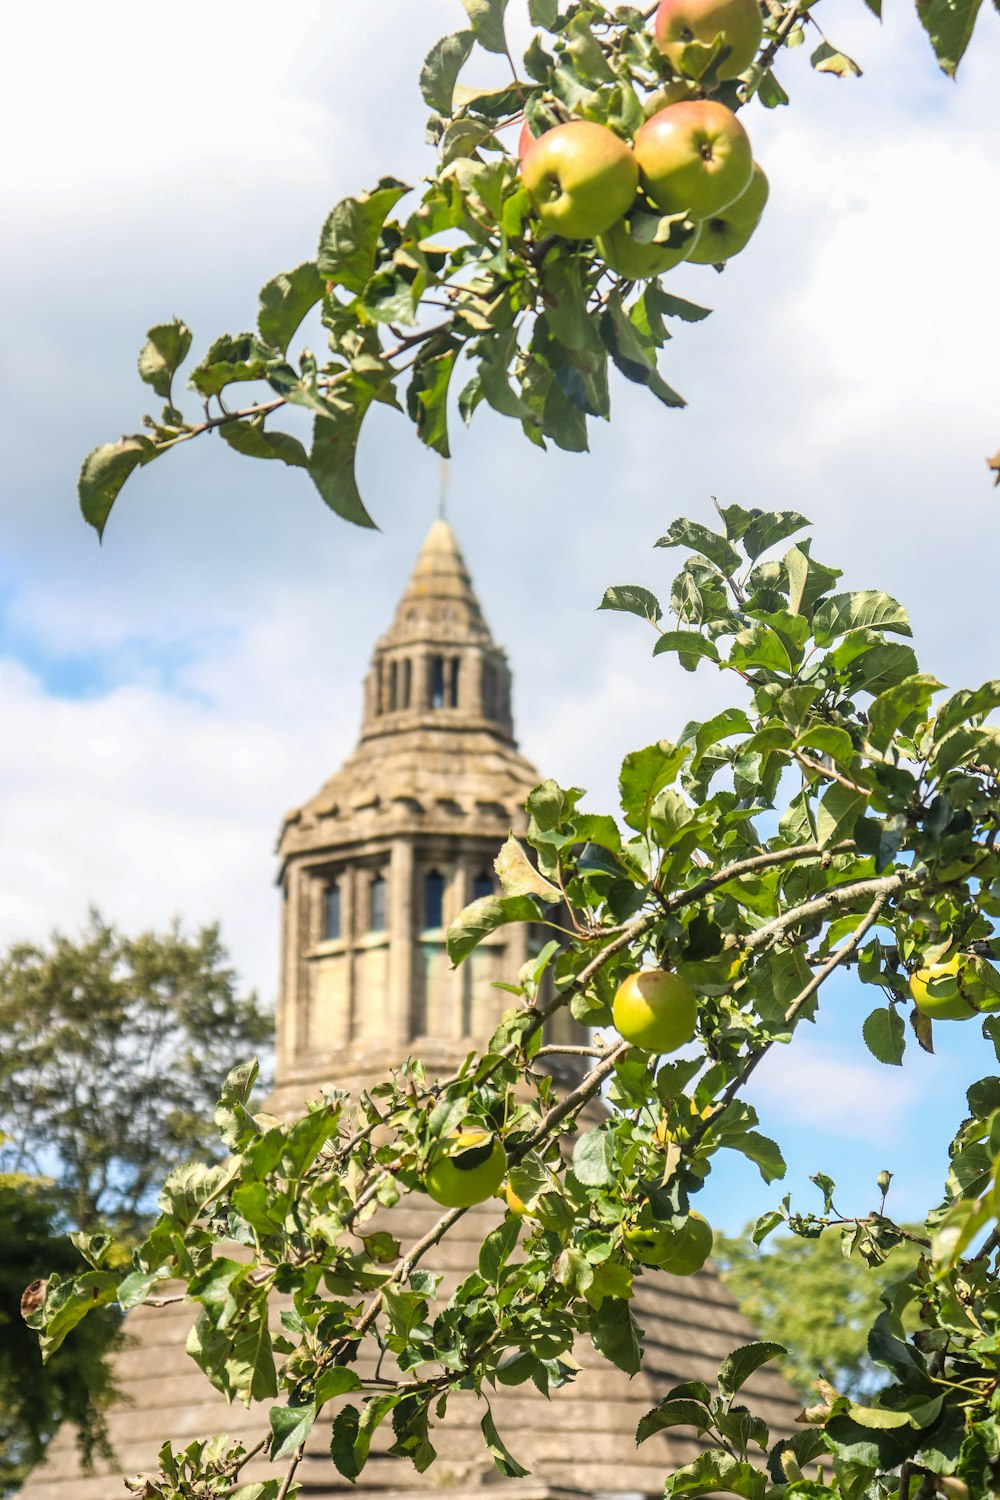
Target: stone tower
{"points": [[371, 871], [395, 844]]}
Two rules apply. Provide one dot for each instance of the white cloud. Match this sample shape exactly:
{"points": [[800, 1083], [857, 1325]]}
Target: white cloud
{"points": [[830, 1087]]}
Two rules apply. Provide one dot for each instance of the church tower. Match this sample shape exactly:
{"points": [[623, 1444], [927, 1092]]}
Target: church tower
{"points": [[396, 843]]}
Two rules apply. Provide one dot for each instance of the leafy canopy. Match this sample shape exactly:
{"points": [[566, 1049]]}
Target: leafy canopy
{"points": [[836, 816], [449, 294], [113, 1050]]}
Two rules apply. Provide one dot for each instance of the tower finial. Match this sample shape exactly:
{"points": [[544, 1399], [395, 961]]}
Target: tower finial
{"points": [[443, 493]]}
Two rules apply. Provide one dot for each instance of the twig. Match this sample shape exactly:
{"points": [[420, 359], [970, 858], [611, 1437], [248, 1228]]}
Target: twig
{"points": [[286, 1483], [835, 960], [821, 906], [832, 774]]}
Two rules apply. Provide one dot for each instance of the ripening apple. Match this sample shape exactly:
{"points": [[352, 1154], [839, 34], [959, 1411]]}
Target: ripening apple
{"points": [[694, 157], [581, 177], [466, 1168], [682, 1251], [656, 1010], [952, 990], [727, 233], [679, 23], [637, 260]]}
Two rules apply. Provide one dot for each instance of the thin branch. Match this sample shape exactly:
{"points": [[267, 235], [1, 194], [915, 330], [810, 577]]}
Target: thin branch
{"points": [[836, 959], [833, 775], [822, 906], [286, 1483]]}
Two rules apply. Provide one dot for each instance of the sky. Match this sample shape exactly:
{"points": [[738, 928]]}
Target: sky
{"points": [[165, 697]]}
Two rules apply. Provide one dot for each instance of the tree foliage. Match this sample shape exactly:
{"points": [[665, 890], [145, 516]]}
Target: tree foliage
{"points": [[76, 1385], [806, 1294], [833, 817], [113, 1050], [450, 294]]}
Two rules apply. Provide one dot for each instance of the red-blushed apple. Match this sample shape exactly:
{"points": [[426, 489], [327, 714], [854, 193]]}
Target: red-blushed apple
{"points": [[694, 158], [525, 141], [581, 177], [727, 233], [638, 260], [682, 23]]}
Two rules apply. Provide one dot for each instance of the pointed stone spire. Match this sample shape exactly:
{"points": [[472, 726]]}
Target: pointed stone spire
{"points": [[437, 664], [397, 842]]}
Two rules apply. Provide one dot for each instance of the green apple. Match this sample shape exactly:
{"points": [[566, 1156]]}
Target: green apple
{"points": [[465, 1169], [655, 1010], [727, 233], [680, 24], [581, 177], [638, 260], [682, 1251], [694, 157], [951, 990]]}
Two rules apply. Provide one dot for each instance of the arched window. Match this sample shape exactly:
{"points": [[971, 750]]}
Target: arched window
{"points": [[378, 686], [331, 914], [488, 683], [407, 681], [453, 682], [437, 682], [376, 904], [393, 686], [482, 885], [433, 899]]}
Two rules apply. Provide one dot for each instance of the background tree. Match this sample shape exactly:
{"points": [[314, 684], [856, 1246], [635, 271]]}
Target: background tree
{"points": [[817, 1302], [76, 1384], [113, 1050]]}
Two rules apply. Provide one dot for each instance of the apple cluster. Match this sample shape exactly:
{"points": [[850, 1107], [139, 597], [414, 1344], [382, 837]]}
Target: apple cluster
{"points": [[687, 188]]}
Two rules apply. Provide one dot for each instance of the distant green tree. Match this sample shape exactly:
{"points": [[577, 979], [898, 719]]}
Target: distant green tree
{"points": [[807, 1295], [76, 1384], [113, 1051]]}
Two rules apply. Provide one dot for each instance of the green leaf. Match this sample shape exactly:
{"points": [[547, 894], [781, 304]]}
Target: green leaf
{"points": [[678, 307], [644, 775], [333, 454], [614, 1334], [674, 1414], [231, 359], [827, 59], [165, 350], [483, 917], [762, 1151], [544, 13], [284, 302], [353, 1432], [689, 646], [427, 396], [740, 1364], [633, 600], [255, 440], [631, 356], [906, 700], [713, 1473], [519, 877], [593, 1158], [885, 1035], [770, 93], [487, 22], [866, 610], [104, 472], [442, 65], [349, 240], [965, 706], [838, 811], [771, 527], [497, 1249], [949, 25], [507, 1465], [66, 1303], [290, 1426], [335, 1380], [685, 533]]}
